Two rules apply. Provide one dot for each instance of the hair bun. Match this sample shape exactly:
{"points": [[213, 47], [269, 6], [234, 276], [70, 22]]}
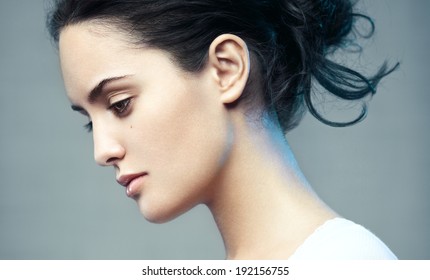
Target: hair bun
{"points": [[324, 23], [312, 29], [335, 20]]}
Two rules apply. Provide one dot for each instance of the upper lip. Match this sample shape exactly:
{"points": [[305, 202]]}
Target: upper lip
{"points": [[124, 180]]}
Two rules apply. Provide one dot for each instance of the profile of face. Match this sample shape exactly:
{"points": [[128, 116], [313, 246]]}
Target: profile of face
{"points": [[166, 132]]}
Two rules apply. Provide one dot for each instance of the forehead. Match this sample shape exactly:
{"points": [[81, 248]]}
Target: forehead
{"points": [[90, 52]]}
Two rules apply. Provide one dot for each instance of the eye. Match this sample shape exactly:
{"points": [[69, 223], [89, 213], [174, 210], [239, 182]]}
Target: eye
{"points": [[121, 107]]}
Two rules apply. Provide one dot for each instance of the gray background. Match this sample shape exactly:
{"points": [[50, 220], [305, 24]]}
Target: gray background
{"points": [[55, 203]]}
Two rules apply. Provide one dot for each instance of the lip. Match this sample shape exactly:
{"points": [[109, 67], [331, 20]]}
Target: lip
{"points": [[131, 183]]}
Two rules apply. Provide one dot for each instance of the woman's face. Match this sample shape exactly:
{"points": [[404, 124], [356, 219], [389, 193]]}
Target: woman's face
{"points": [[165, 131]]}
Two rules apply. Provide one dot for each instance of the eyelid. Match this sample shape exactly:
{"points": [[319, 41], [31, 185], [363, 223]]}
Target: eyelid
{"points": [[118, 96]]}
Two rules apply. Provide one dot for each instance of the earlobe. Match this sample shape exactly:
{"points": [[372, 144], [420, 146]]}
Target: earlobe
{"points": [[229, 61]]}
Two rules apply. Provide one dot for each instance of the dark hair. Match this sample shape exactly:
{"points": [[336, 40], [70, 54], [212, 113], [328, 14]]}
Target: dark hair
{"points": [[289, 39]]}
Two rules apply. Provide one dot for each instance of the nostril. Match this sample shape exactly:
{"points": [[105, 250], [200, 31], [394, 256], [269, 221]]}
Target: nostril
{"points": [[111, 160]]}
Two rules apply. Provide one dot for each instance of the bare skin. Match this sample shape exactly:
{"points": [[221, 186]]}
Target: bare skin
{"points": [[177, 129], [263, 205]]}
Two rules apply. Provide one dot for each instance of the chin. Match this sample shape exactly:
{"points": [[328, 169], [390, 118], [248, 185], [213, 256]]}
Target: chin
{"points": [[158, 214]]}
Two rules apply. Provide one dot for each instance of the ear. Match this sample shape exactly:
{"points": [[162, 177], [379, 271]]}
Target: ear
{"points": [[229, 63]]}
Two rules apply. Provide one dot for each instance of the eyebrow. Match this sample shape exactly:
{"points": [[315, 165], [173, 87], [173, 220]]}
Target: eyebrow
{"points": [[97, 91]]}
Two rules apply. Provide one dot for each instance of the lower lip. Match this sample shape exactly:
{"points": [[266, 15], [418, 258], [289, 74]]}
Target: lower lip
{"points": [[134, 187]]}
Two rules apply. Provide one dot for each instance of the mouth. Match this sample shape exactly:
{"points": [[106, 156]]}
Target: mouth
{"points": [[132, 183]]}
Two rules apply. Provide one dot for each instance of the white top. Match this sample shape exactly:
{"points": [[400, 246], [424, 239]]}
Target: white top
{"points": [[341, 239]]}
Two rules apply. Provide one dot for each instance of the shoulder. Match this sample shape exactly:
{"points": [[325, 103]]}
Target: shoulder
{"points": [[340, 238]]}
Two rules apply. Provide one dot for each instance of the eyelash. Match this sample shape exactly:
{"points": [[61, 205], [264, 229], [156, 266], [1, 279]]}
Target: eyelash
{"points": [[89, 127], [118, 111]]}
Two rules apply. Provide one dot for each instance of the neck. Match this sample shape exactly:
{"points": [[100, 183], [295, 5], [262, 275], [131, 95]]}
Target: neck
{"points": [[262, 204]]}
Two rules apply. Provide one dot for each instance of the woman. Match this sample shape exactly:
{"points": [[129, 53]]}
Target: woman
{"points": [[189, 101]]}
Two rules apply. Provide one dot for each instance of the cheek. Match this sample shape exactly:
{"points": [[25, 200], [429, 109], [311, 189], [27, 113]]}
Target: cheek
{"points": [[183, 145], [186, 139]]}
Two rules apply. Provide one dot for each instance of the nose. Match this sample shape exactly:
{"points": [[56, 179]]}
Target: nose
{"points": [[107, 147]]}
